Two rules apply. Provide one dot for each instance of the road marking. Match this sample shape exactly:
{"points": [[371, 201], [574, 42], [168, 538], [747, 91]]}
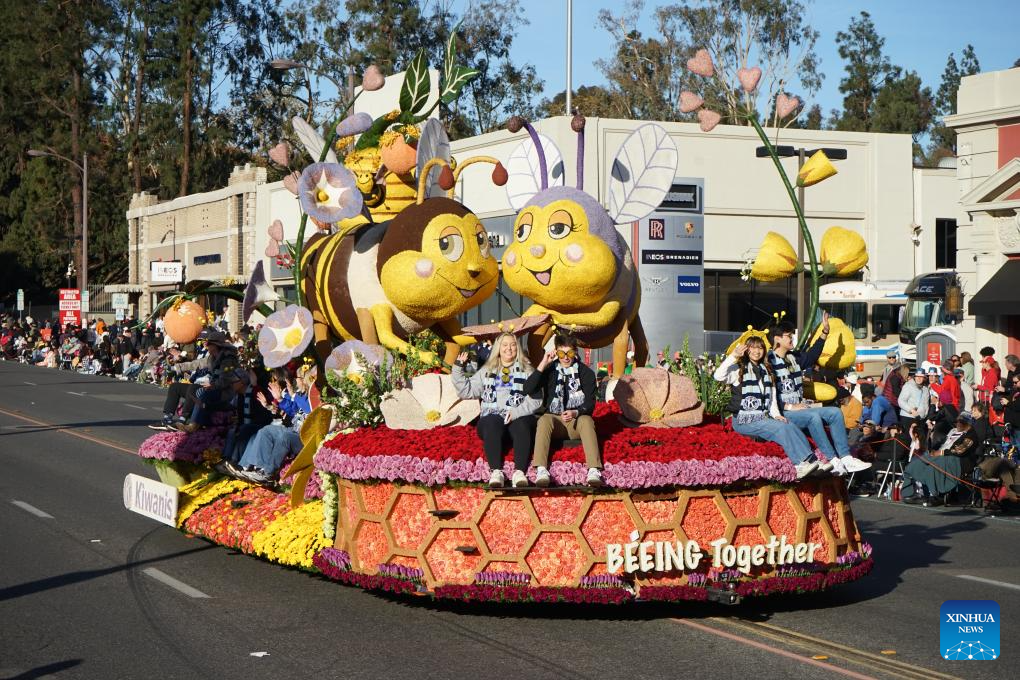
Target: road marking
{"points": [[78, 394], [30, 383], [32, 509], [62, 428], [169, 580], [989, 581], [140, 408]]}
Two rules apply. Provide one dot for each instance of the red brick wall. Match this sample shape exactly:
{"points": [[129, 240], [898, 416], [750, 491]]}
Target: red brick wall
{"points": [[1009, 148]]}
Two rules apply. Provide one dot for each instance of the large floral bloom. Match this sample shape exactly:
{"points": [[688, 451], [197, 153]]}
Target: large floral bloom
{"points": [[843, 252], [328, 194], [776, 259], [815, 169], [657, 398], [353, 357], [285, 335], [430, 402]]}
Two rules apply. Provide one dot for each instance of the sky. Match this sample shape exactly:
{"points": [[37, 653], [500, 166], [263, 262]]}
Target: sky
{"points": [[919, 35]]}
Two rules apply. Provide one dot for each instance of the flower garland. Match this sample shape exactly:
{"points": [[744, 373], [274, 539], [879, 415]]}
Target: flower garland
{"points": [[181, 446], [294, 538], [201, 492], [330, 504], [234, 520]]}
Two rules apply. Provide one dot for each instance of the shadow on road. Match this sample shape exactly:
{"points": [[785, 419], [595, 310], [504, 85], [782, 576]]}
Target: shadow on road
{"points": [[46, 671], [92, 424]]}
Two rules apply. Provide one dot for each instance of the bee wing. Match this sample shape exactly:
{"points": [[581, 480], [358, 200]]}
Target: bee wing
{"points": [[433, 143], [643, 171], [524, 178], [311, 140]]}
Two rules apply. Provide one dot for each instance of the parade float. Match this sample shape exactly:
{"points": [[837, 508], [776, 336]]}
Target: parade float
{"points": [[389, 489]]}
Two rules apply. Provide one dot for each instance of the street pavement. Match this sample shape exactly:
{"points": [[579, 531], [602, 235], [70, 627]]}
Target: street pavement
{"points": [[90, 590]]}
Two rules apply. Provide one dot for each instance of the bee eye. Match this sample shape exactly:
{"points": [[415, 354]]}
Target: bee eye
{"points": [[558, 230], [483, 242], [452, 247], [523, 232]]}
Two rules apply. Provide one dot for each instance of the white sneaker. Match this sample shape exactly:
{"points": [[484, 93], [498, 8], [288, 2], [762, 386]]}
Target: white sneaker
{"points": [[496, 479], [837, 467], [852, 464], [594, 477], [519, 479], [542, 477], [827, 466], [806, 468]]}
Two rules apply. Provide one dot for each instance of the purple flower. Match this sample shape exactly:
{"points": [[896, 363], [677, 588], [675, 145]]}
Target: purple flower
{"points": [[285, 335], [328, 193]]}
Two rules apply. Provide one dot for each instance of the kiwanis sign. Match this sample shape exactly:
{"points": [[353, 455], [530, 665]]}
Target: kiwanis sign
{"points": [[153, 499]]}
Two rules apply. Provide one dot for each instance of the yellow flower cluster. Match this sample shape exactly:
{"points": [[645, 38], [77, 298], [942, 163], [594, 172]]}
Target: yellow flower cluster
{"points": [[344, 142], [199, 493], [294, 538]]}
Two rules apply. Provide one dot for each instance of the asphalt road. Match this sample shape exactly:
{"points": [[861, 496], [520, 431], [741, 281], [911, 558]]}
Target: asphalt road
{"points": [[90, 590]]}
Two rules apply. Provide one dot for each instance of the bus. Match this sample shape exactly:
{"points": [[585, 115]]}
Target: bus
{"points": [[873, 310]]}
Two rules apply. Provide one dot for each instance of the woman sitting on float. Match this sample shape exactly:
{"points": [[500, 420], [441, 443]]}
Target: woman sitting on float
{"points": [[754, 404], [505, 408]]}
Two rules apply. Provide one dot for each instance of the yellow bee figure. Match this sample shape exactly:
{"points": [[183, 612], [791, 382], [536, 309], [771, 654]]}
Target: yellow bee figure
{"points": [[381, 283], [567, 254]]}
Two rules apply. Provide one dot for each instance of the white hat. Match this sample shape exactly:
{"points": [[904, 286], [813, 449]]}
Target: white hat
{"points": [[852, 378]]}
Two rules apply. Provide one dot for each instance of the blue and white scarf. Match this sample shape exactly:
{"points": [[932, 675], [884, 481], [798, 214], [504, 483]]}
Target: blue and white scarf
{"points": [[566, 377]]}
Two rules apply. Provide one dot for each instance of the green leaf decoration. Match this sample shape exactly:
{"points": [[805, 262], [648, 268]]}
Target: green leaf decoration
{"points": [[452, 86], [417, 83], [450, 56]]}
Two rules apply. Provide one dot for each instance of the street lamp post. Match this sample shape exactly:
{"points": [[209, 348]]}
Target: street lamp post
{"points": [[802, 155], [84, 170]]}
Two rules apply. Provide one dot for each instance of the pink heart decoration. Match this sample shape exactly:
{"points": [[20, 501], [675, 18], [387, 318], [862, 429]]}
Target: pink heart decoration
{"points": [[749, 78], [708, 119], [701, 63], [690, 101], [273, 249], [372, 79], [786, 105], [276, 230], [280, 154], [290, 181]]}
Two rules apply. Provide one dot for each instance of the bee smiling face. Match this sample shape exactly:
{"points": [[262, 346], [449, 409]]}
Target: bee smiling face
{"points": [[565, 251], [435, 262]]}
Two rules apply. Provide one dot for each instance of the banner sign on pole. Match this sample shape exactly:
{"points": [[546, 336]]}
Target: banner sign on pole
{"points": [[21, 300], [69, 304], [153, 499], [119, 300], [84, 302]]}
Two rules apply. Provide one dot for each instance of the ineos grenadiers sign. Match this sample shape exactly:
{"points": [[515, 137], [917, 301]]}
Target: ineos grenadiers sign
{"points": [[153, 499]]}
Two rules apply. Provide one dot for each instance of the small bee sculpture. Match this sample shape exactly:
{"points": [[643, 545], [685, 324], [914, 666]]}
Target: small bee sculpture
{"points": [[567, 254], [381, 283]]}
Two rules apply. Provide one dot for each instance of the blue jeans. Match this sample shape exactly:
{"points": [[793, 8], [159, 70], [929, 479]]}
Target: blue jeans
{"points": [[269, 448], [789, 436], [814, 421]]}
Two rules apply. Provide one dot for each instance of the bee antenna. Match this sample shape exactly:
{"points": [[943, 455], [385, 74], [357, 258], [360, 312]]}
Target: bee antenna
{"points": [[577, 125], [515, 124]]}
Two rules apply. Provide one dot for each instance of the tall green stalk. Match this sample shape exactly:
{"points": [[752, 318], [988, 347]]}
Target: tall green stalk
{"points": [[809, 243]]}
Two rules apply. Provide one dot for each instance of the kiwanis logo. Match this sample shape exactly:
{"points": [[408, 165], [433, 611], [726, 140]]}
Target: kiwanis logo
{"points": [[969, 630]]}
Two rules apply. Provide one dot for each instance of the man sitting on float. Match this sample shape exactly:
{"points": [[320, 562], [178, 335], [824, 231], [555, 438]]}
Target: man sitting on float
{"points": [[753, 402], [786, 366], [506, 407], [569, 389]]}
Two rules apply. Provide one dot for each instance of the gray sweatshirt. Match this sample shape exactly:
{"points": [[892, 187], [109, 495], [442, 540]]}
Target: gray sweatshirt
{"points": [[494, 402]]}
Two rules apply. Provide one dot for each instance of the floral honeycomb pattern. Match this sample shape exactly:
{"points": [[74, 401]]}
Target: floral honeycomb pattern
{"points": [[560, 536]]}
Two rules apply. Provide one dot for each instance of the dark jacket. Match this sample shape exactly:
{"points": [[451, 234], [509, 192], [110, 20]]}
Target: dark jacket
{"points": [[543, 385], [257, 414]]}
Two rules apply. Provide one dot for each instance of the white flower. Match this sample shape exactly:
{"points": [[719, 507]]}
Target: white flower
{"points": [[430, 402]]}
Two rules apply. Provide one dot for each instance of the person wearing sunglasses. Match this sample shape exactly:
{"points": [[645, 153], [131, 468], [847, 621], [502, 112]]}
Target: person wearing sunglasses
{"points": [[568, 386]]}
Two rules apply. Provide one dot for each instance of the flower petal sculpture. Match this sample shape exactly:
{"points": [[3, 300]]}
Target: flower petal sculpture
{"points": [[843, 252], [327, 192], [354, 124], [656, 397], [285, 335], [839, 351], [815, 169], [430, 402], [353, 357], [776, 259], [257, 292]]}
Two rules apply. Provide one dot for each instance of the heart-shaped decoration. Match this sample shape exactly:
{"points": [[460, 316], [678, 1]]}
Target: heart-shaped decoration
{"points": [[276, 230], [701, 63], [372, 79], [690, 101], [786, 105], [290, 182], [708, 119], [272, 249], [280, 154], [749, 78]]}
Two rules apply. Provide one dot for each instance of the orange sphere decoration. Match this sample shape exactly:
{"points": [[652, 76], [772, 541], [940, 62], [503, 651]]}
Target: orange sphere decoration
{"points": [[184, 322], [399, 157]]}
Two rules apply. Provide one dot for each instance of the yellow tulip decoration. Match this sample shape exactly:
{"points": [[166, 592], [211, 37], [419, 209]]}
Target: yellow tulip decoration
{"points": [[839, 351], [843, 252], [815, 169], [776, 259]]}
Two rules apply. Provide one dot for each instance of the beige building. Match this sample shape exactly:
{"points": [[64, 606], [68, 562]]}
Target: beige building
{"points": [[987, 124]]}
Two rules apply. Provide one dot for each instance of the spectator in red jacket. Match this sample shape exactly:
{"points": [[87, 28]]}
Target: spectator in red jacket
{"points": [[950, 390]]}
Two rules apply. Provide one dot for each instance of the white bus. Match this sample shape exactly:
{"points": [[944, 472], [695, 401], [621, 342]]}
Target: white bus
{"points": [[873, 310]]}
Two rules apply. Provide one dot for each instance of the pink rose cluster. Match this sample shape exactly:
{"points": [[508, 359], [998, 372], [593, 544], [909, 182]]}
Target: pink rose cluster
{"points": [[180, 446]]}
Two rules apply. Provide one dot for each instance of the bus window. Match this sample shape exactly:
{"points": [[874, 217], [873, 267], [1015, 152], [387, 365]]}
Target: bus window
{"points": [[888, 316], [853, 314]]}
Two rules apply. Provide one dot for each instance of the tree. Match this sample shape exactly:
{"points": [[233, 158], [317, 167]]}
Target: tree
{"points": [[867, 70], [903, 105], [588, 100], [647, 74], [943, 138]]}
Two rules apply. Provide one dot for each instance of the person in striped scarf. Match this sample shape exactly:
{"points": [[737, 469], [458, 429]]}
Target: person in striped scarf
{"points": [[755, 406], [507, 411]]}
